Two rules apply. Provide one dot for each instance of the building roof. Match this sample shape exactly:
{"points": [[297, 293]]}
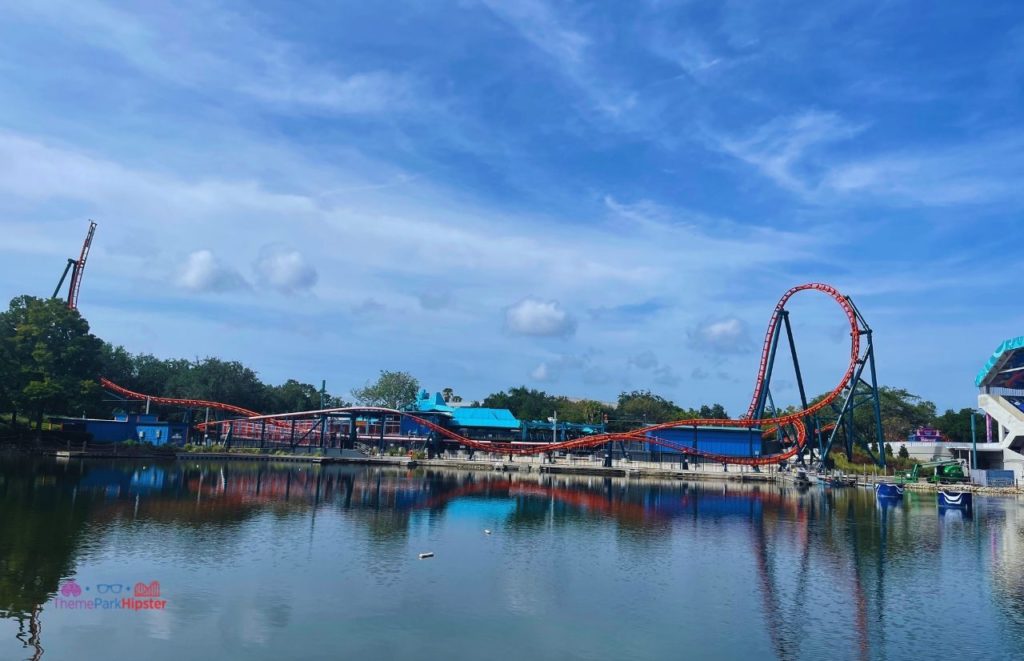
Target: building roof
{"points": [[484, 417], [425, 403], [1005, 369]]}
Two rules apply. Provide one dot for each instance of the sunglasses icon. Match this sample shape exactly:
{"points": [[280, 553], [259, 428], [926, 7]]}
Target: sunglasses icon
{"points": [[112, 588]]}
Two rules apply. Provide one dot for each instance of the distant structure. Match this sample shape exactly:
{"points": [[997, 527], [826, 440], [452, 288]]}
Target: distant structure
{"points": [[1000, 442], [140, 428], [1001, 396], [925, 435], [77, 268]]}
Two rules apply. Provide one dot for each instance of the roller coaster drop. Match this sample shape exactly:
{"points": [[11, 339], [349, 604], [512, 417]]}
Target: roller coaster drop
{"points": [[857, 388]]}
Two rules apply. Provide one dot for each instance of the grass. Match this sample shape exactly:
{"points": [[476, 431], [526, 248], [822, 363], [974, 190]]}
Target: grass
{"points": [[862, 463]]}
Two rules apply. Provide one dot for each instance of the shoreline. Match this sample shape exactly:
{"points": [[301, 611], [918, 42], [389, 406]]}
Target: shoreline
{"points": [[620, 468]]}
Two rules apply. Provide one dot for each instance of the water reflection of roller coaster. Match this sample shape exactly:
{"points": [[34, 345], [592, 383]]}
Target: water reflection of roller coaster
{"points": [[776, 517], [348, 427]]}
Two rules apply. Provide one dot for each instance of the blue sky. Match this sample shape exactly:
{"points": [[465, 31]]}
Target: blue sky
{"points": [[583, 198]]}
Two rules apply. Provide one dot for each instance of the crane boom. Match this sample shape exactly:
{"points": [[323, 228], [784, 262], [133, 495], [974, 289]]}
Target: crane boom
{"points": [[76, 273]]}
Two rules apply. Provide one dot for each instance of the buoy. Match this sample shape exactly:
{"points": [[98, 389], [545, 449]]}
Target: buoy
{"points": [[487, 532], [428, 554]]}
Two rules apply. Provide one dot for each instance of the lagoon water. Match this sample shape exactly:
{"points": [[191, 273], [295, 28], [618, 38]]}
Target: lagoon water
{"points": [[272, 561]]}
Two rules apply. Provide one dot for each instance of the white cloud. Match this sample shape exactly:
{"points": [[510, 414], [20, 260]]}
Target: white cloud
{"points": [[721, 336], [203, 272], [203, 46], [542, 373], [284, 269], [979, 172], [537, 23], [541, 318], [359, 93], [784, 148]]}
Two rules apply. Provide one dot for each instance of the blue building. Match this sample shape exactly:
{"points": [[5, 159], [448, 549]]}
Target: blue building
{"points": [[128, 427], [480, 423], [728, 441]]}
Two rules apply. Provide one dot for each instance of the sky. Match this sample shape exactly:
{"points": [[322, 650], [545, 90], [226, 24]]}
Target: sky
{"points": [[584, 198]]}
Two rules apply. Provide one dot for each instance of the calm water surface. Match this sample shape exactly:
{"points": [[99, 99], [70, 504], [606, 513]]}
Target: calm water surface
{"points": [[258, 561]]}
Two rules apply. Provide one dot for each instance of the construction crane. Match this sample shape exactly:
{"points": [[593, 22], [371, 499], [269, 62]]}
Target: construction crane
{"points": [[76, 267], [949, 471]]}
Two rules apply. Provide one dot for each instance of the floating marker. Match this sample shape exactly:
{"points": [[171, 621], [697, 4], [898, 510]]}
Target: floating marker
{"points": [[487, 532], [428, 554]]}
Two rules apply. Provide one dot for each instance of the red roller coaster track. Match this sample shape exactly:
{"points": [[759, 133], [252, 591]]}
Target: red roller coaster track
{"points": [[647, 434], [176, 401]]}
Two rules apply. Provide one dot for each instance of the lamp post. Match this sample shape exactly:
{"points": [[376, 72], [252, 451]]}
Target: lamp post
{"points": [[554, 434], [974, 441]]}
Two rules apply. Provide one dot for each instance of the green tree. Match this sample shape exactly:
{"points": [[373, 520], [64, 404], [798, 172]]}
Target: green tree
{"points": [[214, 379], [524, 403], [582, 411], [291, 396], [394, 390], [901, 412], [956, 425], [53, 358], [642, 406], [903, 453], [715, 411]]}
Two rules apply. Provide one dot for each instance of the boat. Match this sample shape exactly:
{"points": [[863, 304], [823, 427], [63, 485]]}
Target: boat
{"points": [[837, 480], [800, 478], [888, 490], [955, 499]]}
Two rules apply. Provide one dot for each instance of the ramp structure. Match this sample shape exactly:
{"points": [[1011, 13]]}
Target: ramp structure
{"points": [[1001, 396]]}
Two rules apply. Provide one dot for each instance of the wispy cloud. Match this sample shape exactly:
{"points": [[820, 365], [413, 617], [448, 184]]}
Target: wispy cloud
{"points": [[538, 23], [979, 172], [202, 46], [788, 150]]}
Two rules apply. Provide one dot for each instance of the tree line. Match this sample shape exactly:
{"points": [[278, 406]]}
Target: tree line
{"points": [[50, 362]]}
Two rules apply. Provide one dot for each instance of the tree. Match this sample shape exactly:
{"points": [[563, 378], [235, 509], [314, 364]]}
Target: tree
{"points": [[450, 396], [393, 390], [642, 406], [292, 396], [54, 360], [715, 411], [903, 453], [901, 413], [582, 411], [524, 403], [956, 425]]}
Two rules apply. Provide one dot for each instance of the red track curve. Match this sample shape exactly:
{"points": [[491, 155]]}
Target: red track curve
{"points": [[644, 433], [176, 401]]}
